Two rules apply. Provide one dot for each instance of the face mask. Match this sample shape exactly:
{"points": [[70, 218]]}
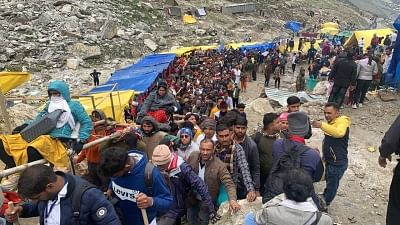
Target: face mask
{"points": [[56, 98]]}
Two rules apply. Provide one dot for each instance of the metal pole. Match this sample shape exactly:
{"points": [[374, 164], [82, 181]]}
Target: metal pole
{"points": [[112, 105]]}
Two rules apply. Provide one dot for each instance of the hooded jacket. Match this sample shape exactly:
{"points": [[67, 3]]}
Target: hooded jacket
{"points": [[344, 72], [77, 110], [336, 140], [155, 102], [93, 202], [128, 186], [154, 139]]}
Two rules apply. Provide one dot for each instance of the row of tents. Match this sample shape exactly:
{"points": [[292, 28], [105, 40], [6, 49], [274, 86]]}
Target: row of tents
{"points": [[137, 79]]}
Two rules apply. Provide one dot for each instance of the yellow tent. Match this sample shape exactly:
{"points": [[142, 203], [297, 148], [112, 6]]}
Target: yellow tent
{"points": [[329, 30], [330, 25], [188, 19], [10, 80], [183, 50], [120, 100], [367, 35]]}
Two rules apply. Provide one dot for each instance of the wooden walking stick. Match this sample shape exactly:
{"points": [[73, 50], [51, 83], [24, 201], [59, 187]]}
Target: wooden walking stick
{"points": [[144, 215], [11, 206]]}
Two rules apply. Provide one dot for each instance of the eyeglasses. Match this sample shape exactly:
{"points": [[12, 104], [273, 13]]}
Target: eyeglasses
{"points": [[184, 136]]}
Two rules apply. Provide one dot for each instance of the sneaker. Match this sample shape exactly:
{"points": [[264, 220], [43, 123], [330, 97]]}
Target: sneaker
{"points": [[354, 106], [360, 105], [323, 207]]}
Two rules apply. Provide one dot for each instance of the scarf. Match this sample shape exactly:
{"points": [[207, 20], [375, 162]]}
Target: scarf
{"points": [[60, 103], [297, 139]]}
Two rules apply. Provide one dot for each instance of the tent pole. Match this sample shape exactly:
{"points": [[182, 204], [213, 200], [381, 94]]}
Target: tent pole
{"points": [[4, 112]]}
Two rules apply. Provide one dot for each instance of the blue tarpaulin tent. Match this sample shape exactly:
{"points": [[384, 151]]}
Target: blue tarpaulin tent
{"points": [[293, 26], [392, 77], [139, 76], [262, 47]]}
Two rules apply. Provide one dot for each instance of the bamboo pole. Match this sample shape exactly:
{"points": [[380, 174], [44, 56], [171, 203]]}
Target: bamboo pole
{"points": [[23, 167], [4, 112]]}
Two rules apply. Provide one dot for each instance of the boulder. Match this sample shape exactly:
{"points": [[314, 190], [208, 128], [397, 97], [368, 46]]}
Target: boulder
{"points": [[321, 88], [66, 8], [72, 63], [260, 106], [227, 217], [109, 30], [201, 32], [150, 44], [84, 52]]}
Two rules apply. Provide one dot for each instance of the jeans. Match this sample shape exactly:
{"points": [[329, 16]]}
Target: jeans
{"points": [[333, 175], [393, 208], [361, 90], [196, 215], [337, 94], [250, 219], [235, 102], [293, 67]]}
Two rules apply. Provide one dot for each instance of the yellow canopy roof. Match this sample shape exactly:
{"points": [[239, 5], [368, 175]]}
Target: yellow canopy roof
{"points": [[11, 80], [103, 101], [188, 19], [183, 50], [330, 25], [240, 44], [367, 35]]}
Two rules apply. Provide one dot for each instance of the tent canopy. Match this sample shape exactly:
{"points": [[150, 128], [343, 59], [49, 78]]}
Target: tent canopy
{"points": [[367, 35], [330, 25], [345, 33], [293, 26], [262, 47], [329, 30], [183, 50], [103, 101], [11, 80], [139, 76]]}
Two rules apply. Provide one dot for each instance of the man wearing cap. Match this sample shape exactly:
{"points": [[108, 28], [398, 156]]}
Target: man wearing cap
{"points": [[293, 105], [234, 157], [158, 103], [264, 141], [251, 152], [310, 159], [182, 179], [128, 186], [208, 127], [214, 173], [334, 148]]}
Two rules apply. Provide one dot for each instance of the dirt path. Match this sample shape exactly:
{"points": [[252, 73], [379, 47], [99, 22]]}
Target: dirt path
{"points": [[363, 192]]}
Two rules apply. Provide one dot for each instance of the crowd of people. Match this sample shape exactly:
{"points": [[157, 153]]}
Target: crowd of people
{"points": [[189, 149]]}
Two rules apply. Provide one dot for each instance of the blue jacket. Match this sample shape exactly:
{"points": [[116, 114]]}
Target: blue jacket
{"points": [[310, 159], [183, 179], [127, 187], [77, 110], [92, 201]]}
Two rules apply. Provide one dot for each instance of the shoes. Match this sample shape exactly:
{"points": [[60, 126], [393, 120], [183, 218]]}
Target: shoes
{"points": [[360, 105], [322, 206], [354, 106]]}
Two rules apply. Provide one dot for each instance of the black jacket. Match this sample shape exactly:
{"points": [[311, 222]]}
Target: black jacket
{"points": [[344, 72], [252, 156], [391, 141]]}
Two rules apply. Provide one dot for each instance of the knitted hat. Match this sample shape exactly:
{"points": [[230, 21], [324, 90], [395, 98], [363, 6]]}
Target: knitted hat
{"points": [[284, 116], [298, 124], [185, 130], [162, 84], [208, 123], [161, 155]]}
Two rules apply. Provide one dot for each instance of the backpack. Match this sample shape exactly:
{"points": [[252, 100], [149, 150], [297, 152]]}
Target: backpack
{"points": [[290, 159], [76, 200]]}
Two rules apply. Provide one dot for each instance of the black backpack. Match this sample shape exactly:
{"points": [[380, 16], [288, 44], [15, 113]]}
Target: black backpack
{"points": [[289, 160]]}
